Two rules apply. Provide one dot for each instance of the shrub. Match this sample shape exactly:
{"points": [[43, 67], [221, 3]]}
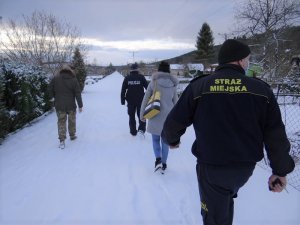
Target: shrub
{"points": [[24, 95]]}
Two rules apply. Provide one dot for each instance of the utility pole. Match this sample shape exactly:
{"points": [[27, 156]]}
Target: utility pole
{"points": [[132, 56], [133, 60]]}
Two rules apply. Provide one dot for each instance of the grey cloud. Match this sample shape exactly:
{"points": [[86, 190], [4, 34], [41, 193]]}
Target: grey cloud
{"points": [[125, 20], [129, 19]]}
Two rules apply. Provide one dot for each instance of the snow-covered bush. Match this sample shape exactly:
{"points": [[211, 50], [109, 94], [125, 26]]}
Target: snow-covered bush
{"points": [[291, 85], [25, 94], [3, 113]]}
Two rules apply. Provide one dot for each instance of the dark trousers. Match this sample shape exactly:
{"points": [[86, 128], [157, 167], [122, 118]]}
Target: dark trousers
{"points": [[218, 186], [132, 110]]}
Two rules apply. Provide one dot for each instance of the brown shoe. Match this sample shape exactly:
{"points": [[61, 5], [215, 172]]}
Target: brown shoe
{"points": [[73, 137]]}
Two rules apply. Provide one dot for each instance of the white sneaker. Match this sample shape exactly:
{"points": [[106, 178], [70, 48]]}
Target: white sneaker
{"points": [[62, 145], [141, 134], [158, 167]]}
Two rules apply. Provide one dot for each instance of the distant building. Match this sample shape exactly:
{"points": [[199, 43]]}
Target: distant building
{"points": [[95, 70], [177, 69], [211, 68], [195, 69], [190, 69], [149, 69]]}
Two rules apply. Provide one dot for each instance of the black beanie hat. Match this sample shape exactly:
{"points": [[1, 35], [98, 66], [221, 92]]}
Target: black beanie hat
{"points": [[134, 67], [164, 67], [232, 50]]}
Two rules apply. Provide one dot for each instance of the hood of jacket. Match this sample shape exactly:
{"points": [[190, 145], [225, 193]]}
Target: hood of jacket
{"points": [[165, 79], [66, 76], [66, 72]]}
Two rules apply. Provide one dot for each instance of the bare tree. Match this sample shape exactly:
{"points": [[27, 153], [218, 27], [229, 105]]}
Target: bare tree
{"points": [[264, 21], [40, 39]]}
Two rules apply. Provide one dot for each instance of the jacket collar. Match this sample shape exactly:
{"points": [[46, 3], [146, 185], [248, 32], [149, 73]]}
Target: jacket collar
{"points": [[232, 67], [134, 72]]}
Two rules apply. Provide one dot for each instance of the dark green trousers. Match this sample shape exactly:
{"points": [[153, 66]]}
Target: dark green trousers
{"points": [[62, 118]]}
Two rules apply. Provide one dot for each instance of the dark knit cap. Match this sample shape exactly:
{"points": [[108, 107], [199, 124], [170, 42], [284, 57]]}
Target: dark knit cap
{"points": [[233, 50], [134, 66], [164, 67]]}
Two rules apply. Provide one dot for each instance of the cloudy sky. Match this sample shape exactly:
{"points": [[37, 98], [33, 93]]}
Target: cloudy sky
{"points": [[123, 31]]}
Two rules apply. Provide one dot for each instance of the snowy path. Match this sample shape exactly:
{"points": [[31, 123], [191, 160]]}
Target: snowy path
{"points": [[106, 176]]}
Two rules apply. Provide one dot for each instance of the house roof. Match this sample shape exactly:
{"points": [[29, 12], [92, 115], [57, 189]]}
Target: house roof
{"points": [[191, 66], [176, 66], [196, 66]]}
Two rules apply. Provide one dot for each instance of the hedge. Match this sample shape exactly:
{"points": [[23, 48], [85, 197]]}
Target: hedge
{"points": [[23, 96]]}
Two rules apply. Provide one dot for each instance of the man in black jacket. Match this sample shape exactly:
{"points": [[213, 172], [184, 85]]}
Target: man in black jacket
{"points": [[234, 118], [133, 92]]}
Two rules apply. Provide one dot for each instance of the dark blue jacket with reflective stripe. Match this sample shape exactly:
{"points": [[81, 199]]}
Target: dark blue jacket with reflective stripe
{"points": [[133, 88]]}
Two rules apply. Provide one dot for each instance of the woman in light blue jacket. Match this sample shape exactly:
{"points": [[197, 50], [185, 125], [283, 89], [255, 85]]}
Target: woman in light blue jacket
{"points": [[166, 84]]}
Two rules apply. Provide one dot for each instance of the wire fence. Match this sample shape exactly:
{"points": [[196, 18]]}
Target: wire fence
{"points": [[288, 98]]}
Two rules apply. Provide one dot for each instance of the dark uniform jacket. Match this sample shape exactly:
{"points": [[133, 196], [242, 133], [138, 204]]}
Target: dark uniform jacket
{"points": [[234, 117], [65, 88], [133, 88]]}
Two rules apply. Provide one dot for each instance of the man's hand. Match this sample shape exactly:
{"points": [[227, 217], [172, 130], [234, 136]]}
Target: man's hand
{"points": [[277, 183], [80, 110]]}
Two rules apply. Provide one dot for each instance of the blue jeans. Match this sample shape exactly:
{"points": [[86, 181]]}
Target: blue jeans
{"points": [[160, 148]]}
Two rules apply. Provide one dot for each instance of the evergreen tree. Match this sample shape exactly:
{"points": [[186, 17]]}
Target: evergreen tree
{"points": [[79, 68], [23, 93], [109, 69], [3, 117], [205, 42]]}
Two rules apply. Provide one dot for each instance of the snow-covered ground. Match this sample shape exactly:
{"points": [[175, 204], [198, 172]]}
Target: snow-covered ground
{"points": [[106, 175]]}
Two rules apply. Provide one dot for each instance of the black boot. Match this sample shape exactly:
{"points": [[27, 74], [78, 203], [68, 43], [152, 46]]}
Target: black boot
{"points": [[164, 166], [157, 164], [163, 169]]}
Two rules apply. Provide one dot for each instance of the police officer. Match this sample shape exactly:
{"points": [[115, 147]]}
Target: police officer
{"points": [[132, 91], [234, 117]]}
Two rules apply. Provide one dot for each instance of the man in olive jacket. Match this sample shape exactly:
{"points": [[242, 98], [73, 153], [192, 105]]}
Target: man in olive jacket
{"points": [[65, 89], [234, 118]]}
